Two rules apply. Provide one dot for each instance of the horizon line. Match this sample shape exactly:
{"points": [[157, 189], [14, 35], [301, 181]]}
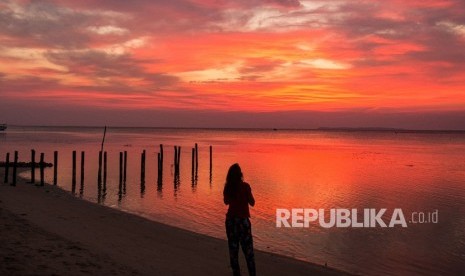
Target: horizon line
{"points": [[323, 128]]}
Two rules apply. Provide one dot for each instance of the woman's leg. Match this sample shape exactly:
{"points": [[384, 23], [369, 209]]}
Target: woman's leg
{"points": [[247, 245], [233, 243]]}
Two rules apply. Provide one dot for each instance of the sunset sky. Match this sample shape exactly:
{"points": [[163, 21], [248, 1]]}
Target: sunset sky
{"points": [[242, 63]]}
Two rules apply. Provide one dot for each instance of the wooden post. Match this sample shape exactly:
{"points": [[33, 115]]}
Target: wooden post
{"points": [[196, 157], [104, 172], [82, 170], [33, 166], [161, 153], [175, 160], [55, 167], [42, 167], [211, 158], [103, 139], [7, 167], [176, 167], [73, 184], [211, 163], [120, 187], [125, 163], [15, 165], [142, 173], [176, 172], [99, 173], [142, 167], [160, 165], [125, 166]]}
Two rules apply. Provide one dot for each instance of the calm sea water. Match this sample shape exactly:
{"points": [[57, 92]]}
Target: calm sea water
{"points": [[286, 169]]}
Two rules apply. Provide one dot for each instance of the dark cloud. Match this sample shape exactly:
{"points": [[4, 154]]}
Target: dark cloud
{"points": [[287, 3], [25, 84], [428, 27], [441, 46], [275, 3], [108, 73], [116, 68], [44, 24], [147, 17]]}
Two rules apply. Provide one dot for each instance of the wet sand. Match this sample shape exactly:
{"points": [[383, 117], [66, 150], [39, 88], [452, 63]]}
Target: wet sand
{"points": [[48, 231]]}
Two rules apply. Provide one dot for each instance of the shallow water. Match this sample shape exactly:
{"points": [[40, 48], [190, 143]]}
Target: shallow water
{"points": [[286, 169]]}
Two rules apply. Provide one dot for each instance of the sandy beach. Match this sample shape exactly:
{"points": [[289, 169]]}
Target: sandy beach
{"points": [[47, 231]]}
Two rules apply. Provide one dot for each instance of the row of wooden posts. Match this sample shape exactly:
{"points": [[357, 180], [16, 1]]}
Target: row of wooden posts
{"points": [[102, 172], [33, 164]]}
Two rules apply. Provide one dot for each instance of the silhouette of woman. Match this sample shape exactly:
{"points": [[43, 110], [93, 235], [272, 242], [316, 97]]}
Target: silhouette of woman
{"points": [[238, 195]]}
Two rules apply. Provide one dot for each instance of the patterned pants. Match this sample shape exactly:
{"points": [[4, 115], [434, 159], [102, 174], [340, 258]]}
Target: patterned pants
{"points": [[239, 231]]}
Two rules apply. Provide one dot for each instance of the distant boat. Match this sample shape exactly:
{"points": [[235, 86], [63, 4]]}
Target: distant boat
{"points": [[3, 127]]}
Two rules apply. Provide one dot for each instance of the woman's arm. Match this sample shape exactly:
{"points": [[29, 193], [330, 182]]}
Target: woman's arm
{"points": [[225, 198], [251, 199]]}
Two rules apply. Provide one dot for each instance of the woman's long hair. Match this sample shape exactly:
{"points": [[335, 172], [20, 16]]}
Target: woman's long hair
{"points": [[233, 180]]}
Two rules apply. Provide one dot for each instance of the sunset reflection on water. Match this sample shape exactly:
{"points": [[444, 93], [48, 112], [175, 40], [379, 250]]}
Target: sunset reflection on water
{"points": [[286, 169]]}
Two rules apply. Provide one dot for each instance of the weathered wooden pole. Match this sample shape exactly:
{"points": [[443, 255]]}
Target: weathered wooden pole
{"points": [[125, 164], [211, 158], [15, 165], [196, 157], [142, 167], [104, 172], [161, 153], [196, 164], [99, 173], [176, 167], [103, 139], [73, 184], [99, 177], [55, 167], [82, 170], [7, 167], [42, 168], [211, 163], [175, 160], [142, 173], [33, 166]]}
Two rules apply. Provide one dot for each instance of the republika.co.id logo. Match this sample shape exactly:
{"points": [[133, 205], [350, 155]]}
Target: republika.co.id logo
{"points": [[365, 218]]}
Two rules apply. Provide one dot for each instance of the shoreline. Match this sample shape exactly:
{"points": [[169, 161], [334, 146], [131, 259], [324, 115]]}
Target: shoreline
{"points": [[110, 240]]}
